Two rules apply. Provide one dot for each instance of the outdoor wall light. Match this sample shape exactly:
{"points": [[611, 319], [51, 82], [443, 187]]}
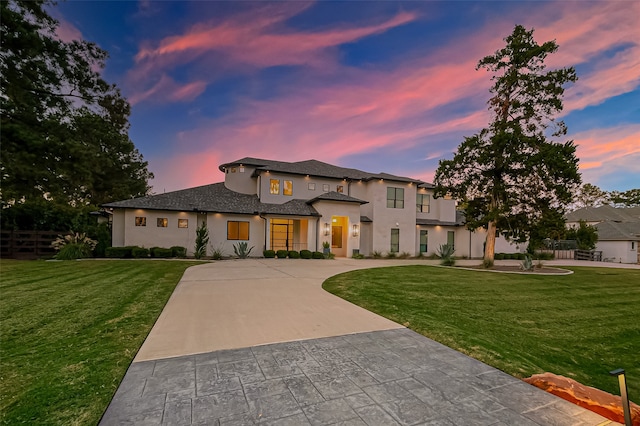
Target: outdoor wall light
{"points": [[356, 230], [327, 229]]}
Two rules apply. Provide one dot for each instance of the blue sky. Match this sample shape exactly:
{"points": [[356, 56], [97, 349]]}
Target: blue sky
{"points": [[379, 86]]}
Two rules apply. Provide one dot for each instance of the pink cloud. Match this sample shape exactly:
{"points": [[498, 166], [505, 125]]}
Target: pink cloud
{"points": [[166, 89], [606, 146]]}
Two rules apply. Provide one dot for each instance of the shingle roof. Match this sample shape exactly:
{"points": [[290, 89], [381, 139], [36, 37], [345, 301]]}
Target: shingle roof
{"points": [[618, 231], [336, 196], [605, 212], [314, 168], [214, 198], [460, 220]]}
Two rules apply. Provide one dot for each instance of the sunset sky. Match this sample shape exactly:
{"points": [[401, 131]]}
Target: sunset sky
{"points": [[378, 86]]}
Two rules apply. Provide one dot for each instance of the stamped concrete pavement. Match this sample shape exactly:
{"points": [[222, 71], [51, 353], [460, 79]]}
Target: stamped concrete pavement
{"points": [[259, 342]]}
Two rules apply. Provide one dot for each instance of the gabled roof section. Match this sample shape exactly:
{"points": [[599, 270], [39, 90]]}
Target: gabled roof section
{"points": [[314, 168], [214, 198], [603, 213], [618, 231], [336, 196]]}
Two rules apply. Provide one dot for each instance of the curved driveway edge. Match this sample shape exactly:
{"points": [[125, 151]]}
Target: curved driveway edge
{"points": [[241, 303]]}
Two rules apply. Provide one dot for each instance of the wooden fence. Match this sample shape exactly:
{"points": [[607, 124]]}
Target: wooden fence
{"points": [[27, 244]]}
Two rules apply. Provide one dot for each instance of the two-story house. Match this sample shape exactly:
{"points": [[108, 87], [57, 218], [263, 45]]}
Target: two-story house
{"points": [[295, 206]]}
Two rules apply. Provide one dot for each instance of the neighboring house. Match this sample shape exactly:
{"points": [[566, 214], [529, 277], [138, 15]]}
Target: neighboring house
{"points": [[295, 206], [618, 230]]}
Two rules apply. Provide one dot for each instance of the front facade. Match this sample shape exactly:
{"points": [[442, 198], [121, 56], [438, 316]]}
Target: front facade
{"points": [[295, 206], [618, 230]]}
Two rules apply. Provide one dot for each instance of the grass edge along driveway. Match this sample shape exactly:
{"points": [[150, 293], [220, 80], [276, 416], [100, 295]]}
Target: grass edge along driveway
{"points": [[69, 331], [580, 326]]}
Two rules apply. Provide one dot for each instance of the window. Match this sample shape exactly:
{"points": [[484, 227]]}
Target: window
{"points": [[451, 239], [274, 186], [312, 187], [395, 240], [183, 223], [422, 202], [241, 169], [162, 222], [141, 221], [237, 230], [633, 245], [424, 239], [325, 187], [340, 189], [233, 170], [395, 198], [288, 187]]}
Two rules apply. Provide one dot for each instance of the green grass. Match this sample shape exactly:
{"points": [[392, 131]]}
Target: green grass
{"points": [[70, 330], [580, 326]]}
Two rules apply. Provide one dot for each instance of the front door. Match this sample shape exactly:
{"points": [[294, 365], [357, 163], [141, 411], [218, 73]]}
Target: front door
{"points": [[336, 236], [280, 237]]}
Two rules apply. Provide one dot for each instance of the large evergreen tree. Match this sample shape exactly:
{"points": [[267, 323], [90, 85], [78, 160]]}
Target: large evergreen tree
{"points": [[64, 129], [512, 174]]}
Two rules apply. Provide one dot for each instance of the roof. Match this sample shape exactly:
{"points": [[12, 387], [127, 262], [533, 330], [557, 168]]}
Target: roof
{"points": [[336, 196], [214, 198], [314, 168], [460, 220], [618, 231], [605, 212]]}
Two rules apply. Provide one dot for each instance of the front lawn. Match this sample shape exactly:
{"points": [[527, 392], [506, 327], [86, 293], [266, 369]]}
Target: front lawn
{"points": [[580, 326], [69, 331]]}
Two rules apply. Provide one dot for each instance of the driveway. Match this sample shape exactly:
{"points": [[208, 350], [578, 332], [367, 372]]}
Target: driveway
{"points": [[258, 341]]}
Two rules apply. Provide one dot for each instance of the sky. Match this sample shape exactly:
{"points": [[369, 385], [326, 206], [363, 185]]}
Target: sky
{"points": [[381, 86]]}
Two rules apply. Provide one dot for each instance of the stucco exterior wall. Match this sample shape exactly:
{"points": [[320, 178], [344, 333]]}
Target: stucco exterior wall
{"points": [[300, 186], [151, 235], [118, 228], [239, 179], [351, 212], [619, 251], [217, 225]]}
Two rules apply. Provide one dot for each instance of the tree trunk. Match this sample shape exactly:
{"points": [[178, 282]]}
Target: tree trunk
{"points": [[490, 246]]}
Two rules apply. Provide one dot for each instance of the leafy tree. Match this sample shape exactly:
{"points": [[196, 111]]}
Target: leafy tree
{"points": [[509, 174], [589, 195], [586, 236], [630, 198], [64, 129]]}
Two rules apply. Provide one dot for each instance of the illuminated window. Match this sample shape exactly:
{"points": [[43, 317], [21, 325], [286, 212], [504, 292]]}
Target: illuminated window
{"points": [[395, 240], [287, 187], [237, 230], [395, 198], [274, 186], [233, 170], [183, 223], [340, 189], [163, 222], [141, 221], [312, 187], [325, 187], [422, 203]]}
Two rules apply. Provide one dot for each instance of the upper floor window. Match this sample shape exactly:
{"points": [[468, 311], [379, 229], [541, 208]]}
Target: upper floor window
{"points": [[162, 222], [274, 186], [312, 186], [422, 202], [340, 189], [395, 198], [141, 221], [288, 187], [237, 230], [325, 187]]}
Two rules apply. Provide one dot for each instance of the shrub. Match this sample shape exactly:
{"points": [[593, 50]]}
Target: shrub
{"points": [[81, 246], [202, 239], [152, 251], [282, 254], [392, 255], [139, 252], [178, 251], [162, 253], [376, 254], [317, 255], [242, 250], [118, 252], [269, 254], [294, 255], [330, 256], [527, 264], [358, 256], [521, 256], [404, 255], [102, 234], [445, 253], [305, 254], [73, 251], [499, 256]]}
